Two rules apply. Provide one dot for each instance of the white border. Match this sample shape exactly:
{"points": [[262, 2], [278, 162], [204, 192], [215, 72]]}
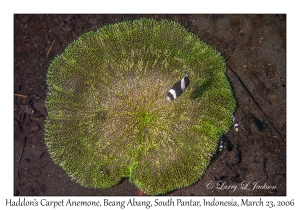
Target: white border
{"points": [[154, 6]]}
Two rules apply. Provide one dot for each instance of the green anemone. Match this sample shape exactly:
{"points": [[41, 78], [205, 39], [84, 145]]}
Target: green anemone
{"points": [[108, 116]]}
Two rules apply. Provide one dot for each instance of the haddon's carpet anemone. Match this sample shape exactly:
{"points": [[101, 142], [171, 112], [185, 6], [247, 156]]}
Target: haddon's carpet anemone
{"points": [[108, 116]]}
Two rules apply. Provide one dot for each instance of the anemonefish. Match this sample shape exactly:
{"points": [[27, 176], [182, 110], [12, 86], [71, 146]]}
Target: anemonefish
{"points": [[101, 171], [235, 123], [221, 147], [178, 87]]}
